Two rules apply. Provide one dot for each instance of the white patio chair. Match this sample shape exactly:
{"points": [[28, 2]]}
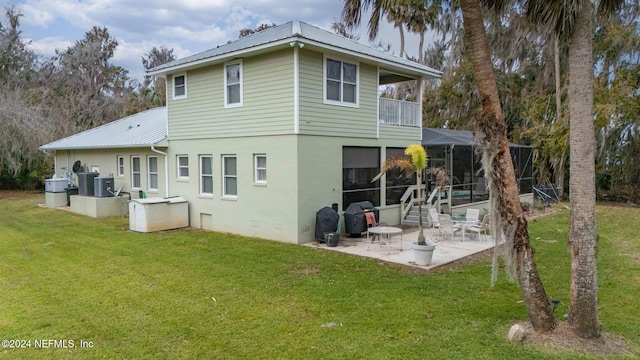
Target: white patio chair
{"points": [[473, 215], [435, 221], [482, 228], [447, 226]]}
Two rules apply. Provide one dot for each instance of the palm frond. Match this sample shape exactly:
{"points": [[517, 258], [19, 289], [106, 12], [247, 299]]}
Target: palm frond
{"points": [[402, 163], [418, 156]]}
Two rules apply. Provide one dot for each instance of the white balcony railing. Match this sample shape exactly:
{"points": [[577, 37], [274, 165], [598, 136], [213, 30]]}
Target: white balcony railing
{"points": [[400, 113]]}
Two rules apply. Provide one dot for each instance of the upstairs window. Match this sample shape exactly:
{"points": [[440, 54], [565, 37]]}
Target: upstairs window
{"points": [[341, 82], [179, 86], [233, 84]]}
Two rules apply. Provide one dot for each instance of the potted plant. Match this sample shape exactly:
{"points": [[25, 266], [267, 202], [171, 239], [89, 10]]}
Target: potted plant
{"points": [[416, 161]]}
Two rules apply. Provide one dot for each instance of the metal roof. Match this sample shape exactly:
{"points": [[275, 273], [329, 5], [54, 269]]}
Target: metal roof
{"points": [[286, 34], [436, 136], [143, 129]]}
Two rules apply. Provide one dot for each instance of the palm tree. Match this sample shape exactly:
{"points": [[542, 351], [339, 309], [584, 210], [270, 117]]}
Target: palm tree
{"points": [[498, 167], [507, 212], [415, 162], [573, 20]]}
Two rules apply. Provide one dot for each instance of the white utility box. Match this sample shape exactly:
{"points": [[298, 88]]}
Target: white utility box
{"points": [[156, 214], [56, 185]]}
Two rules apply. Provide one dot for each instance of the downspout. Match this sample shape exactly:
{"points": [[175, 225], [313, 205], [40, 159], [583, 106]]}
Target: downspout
{"points": [[296, 85], [166, 169]]}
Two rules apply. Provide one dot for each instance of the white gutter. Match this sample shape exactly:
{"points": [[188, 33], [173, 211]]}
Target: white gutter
{"points": [[166, 169]]}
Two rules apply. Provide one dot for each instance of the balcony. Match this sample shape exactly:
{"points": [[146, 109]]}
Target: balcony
{"points": [[399, 113]]}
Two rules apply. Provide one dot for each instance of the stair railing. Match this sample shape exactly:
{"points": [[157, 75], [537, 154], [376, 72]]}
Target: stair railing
{"points": [[408, 199]]}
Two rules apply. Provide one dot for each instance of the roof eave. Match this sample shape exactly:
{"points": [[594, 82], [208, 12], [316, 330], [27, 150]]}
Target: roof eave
{"points": [[424, 71], [160, 143]]}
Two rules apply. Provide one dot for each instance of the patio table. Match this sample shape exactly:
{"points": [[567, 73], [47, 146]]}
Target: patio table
{"points": [[463, 222], [384, 230]]}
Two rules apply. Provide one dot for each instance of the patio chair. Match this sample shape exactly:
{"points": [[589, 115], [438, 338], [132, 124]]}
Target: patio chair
{"points": [[435, 221], [473, 214], [482, 228], [447, 226]]}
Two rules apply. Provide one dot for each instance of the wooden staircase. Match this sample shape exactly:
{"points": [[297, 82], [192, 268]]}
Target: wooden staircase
{"points": [[409, 205]]}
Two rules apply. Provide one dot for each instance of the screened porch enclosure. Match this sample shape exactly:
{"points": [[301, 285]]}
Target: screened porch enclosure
{"points": [[455, 151]]}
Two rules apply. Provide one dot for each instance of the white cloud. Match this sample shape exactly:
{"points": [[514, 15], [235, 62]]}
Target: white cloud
{"points": [[187, 26]]}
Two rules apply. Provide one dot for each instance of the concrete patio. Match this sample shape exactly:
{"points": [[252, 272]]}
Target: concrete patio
{"points": [[447, 251]]}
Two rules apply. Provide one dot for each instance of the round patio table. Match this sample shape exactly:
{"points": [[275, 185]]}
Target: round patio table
{"points": [[463, 222], [384, 230]]}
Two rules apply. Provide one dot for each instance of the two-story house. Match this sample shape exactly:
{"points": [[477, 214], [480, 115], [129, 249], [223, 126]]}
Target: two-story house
{"points": [[262, 132]]}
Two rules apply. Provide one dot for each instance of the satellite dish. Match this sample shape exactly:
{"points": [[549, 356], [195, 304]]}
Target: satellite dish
{"points": [[76, 166]]}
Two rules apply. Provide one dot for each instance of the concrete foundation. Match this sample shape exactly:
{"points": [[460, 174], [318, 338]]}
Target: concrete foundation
{"points": [[55, 199], [99, 207]]}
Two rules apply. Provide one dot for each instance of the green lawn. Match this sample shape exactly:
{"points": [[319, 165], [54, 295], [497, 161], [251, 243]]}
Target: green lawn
{"points": [[191, 294]]}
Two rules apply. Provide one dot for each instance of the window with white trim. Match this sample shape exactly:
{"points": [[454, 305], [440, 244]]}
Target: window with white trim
{"points": [[135, 172], [229, 176], [120, 165], [206, 175], [233, 84], [182, 163], [152, 170], [341, 82], [260, 166], [180, 86]]}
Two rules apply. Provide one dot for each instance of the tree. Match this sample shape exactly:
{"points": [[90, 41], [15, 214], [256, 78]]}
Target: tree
{"points": [[415, 161], [498, 168], [246, 31], [507, 213], [155, 88], [17, 62], [341, 29], [85, 88], [575, 23]]}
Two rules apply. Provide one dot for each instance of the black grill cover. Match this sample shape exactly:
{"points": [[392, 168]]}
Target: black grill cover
{"points": [[354, 220], [326, 221]]}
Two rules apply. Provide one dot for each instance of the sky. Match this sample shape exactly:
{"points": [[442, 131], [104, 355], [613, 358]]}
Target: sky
{"points": [[186, 26]]}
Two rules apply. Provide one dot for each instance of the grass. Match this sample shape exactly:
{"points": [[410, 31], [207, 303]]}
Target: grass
{"points": [[190, 294]]}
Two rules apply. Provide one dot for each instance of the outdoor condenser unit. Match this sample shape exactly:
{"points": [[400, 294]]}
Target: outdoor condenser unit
{"points": [[103, 187], [86, 182]]}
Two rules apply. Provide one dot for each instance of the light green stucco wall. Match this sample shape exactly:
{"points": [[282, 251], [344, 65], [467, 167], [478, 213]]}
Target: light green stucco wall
{"points": [[265, 211], [320, 178], [106, 160]]}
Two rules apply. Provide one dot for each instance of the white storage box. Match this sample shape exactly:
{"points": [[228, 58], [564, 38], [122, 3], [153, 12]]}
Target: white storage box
{"points": [[156, 214], [56, 185]]}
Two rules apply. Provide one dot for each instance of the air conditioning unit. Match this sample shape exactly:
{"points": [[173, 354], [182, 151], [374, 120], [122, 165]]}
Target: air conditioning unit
{"points": [[86, 182], [103, 187]]}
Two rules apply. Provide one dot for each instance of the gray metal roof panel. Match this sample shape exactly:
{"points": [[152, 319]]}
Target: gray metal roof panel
{"points": [[437, 136], [293, 30], [143, 129]]}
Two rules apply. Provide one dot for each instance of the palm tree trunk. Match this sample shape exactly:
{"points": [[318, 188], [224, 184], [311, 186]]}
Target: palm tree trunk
{"points": [[421, 238], [558, 171], [499, 168], [583, 309], [401, 28]]}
